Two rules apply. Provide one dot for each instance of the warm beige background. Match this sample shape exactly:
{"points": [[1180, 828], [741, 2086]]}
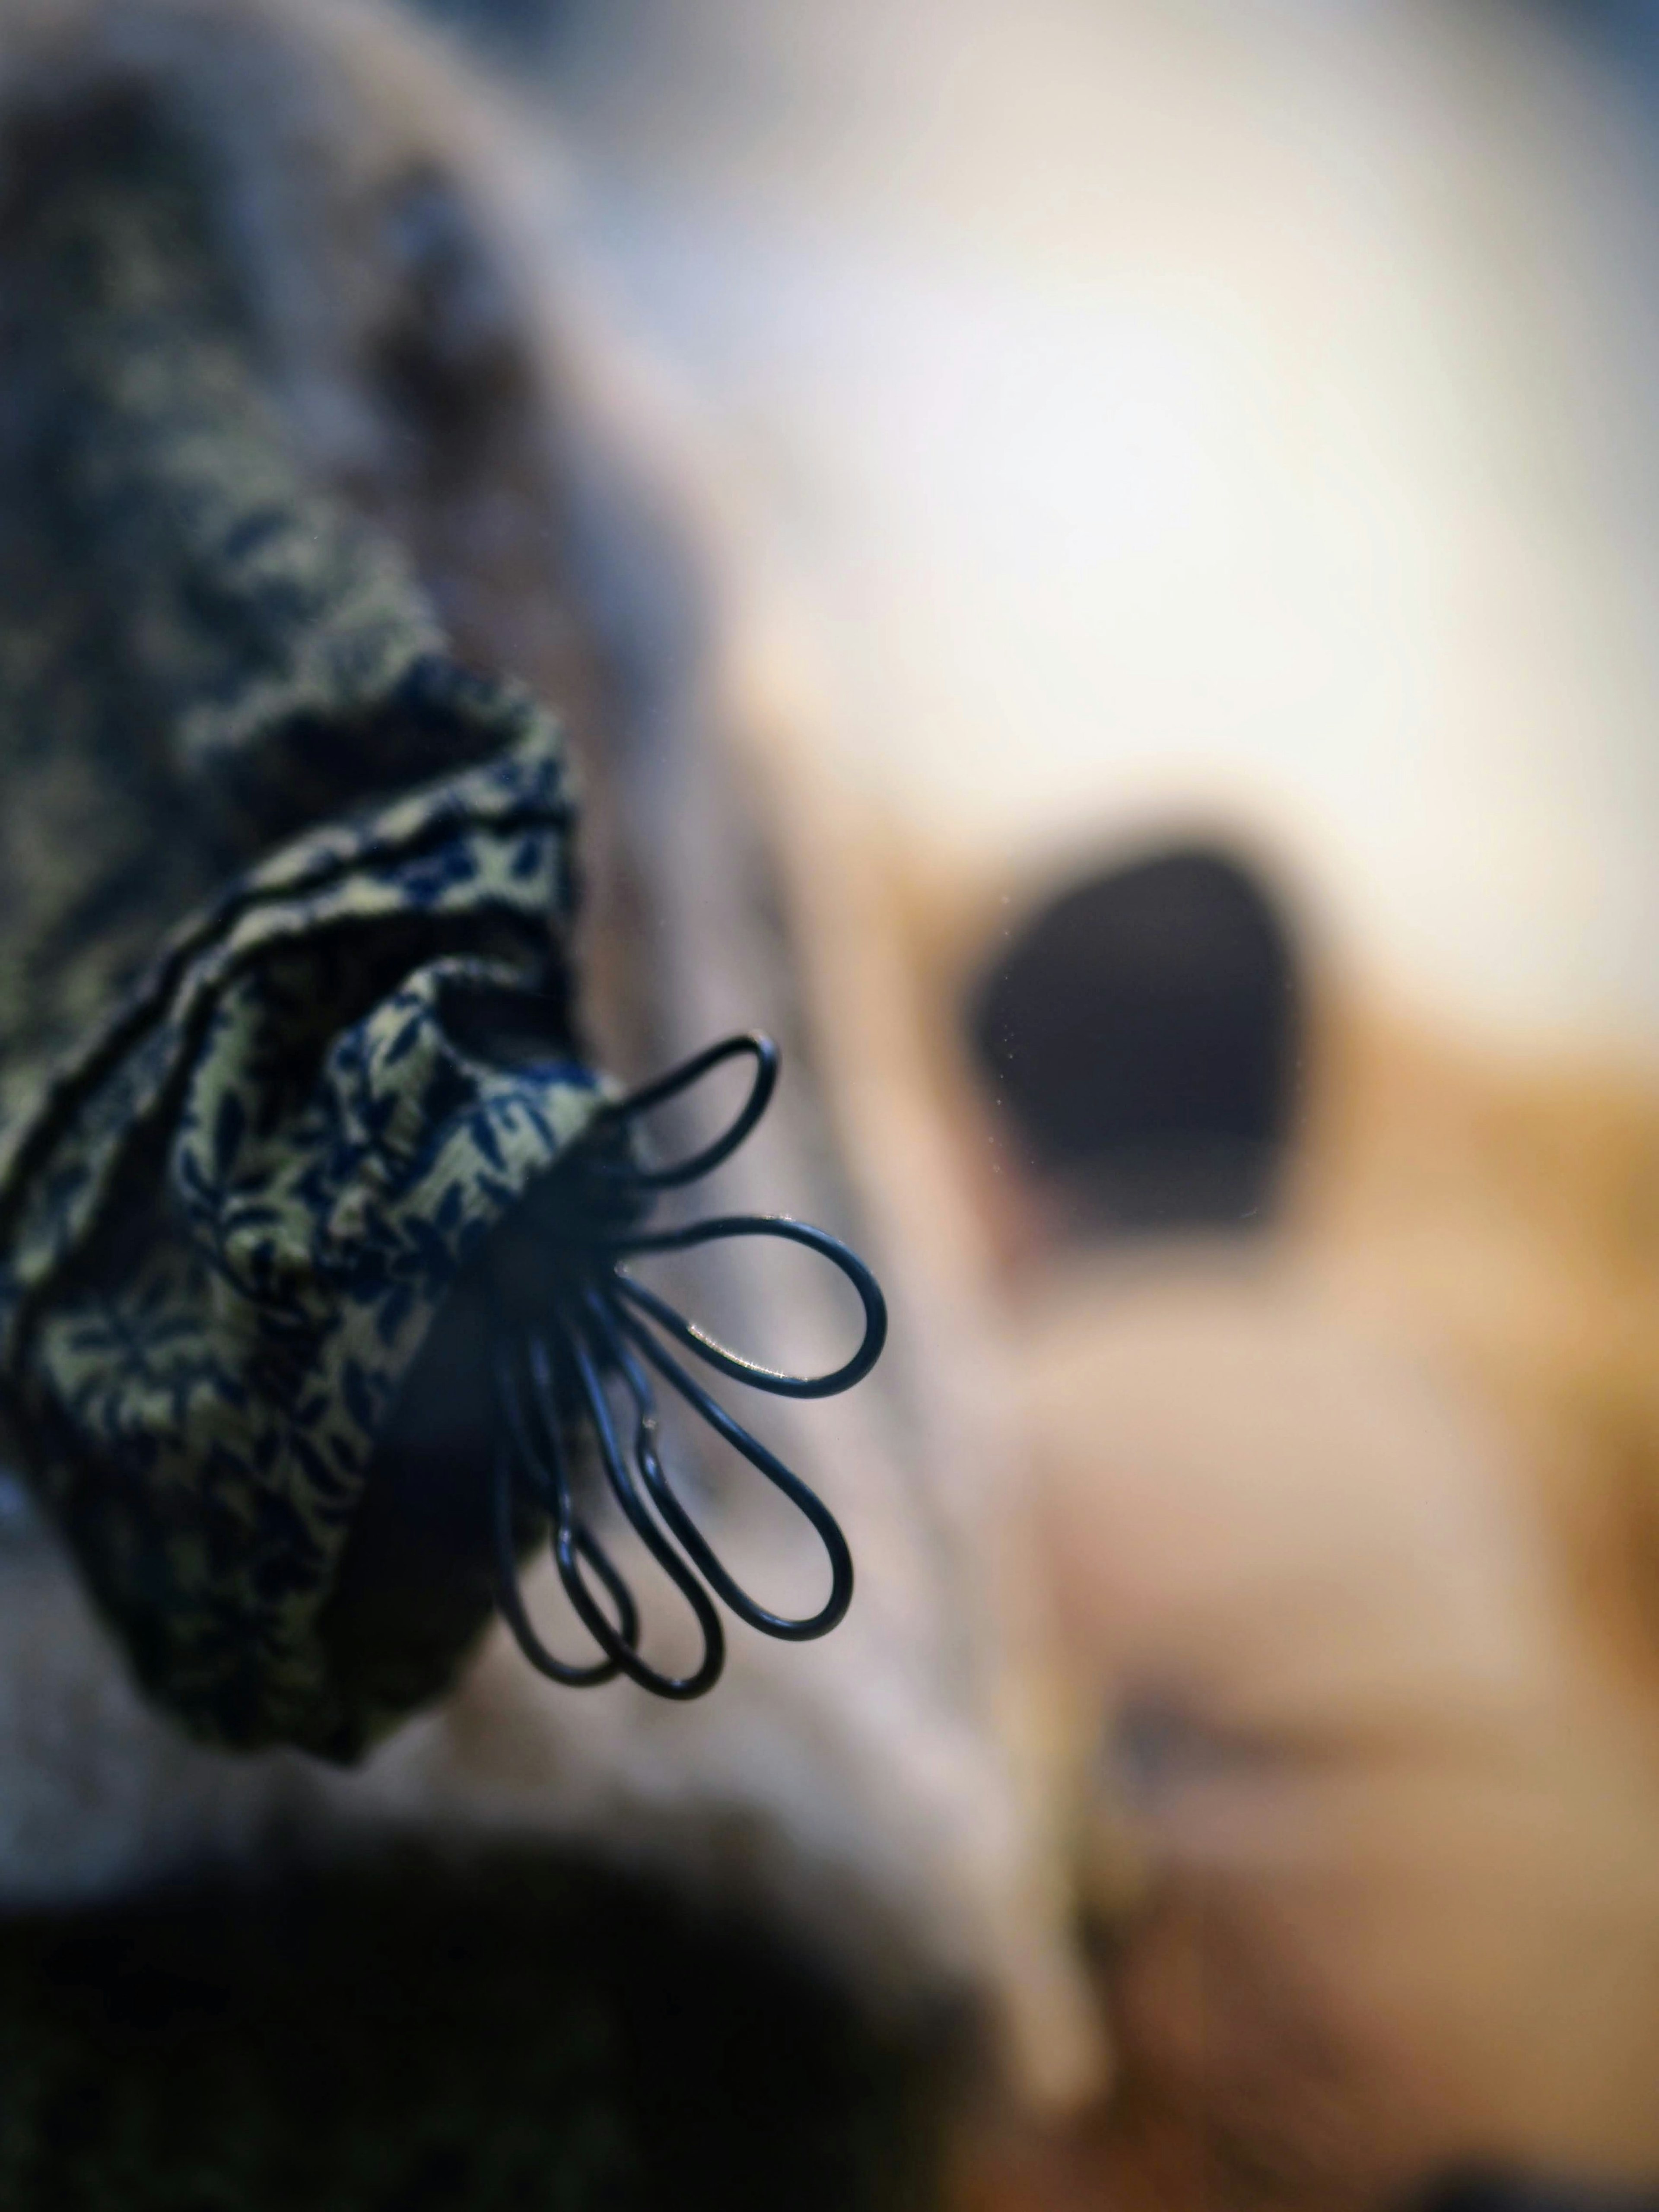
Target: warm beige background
{"points": [[1175, 408]]}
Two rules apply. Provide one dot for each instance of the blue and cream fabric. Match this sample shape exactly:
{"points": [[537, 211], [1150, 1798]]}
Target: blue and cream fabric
{"points": [[286, 1013]]}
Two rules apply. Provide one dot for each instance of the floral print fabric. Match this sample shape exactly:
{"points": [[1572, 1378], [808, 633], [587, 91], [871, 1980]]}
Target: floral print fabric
{"points": [[244, 1154]]}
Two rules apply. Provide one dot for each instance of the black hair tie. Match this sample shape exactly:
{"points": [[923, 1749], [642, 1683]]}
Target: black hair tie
{"points": [[597, 1338]]}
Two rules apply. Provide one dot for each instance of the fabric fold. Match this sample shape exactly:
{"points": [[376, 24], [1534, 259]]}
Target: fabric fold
{"points": [[232, 1211]]}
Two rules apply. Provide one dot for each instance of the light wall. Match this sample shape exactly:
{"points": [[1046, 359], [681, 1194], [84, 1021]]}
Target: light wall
{"points": [[1192, 412]]}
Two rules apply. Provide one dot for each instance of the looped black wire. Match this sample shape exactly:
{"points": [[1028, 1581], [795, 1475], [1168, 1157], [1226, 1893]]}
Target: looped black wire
{"points": [[598, 1340], [625, 1110], [697, 1546], [570, 1541], [717, 1355], [708, 1672]]}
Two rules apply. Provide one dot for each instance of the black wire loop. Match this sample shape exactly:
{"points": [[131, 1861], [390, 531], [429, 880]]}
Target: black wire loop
{"points": [[764, 1054], [588, 1351]]}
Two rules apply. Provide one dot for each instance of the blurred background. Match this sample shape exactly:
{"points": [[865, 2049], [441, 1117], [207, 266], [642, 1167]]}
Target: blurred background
{"points": [[1234, 414]]}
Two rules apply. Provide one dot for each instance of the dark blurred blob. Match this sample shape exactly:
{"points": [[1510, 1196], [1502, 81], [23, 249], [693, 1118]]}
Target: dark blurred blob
{"points": [[514, 30], [1141, 1031], [1625, 31], [1507, 2193], [515, 2033]]}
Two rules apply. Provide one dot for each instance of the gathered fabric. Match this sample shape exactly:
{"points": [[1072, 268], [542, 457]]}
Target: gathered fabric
{"points": [[287, 1026]]}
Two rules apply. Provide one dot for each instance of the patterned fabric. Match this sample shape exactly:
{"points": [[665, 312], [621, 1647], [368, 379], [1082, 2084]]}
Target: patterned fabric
{"points": [[240, 1175]]}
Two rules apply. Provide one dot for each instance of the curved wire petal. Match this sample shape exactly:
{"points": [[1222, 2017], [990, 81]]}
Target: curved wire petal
{"points": [[570, 1541], [721, 1356], [707, 1673], [696, 1545], [712, 1156], [806, 1500]]}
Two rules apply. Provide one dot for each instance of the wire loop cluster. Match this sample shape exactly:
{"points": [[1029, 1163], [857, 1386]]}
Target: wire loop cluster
{"points": [[601, 1342]]}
